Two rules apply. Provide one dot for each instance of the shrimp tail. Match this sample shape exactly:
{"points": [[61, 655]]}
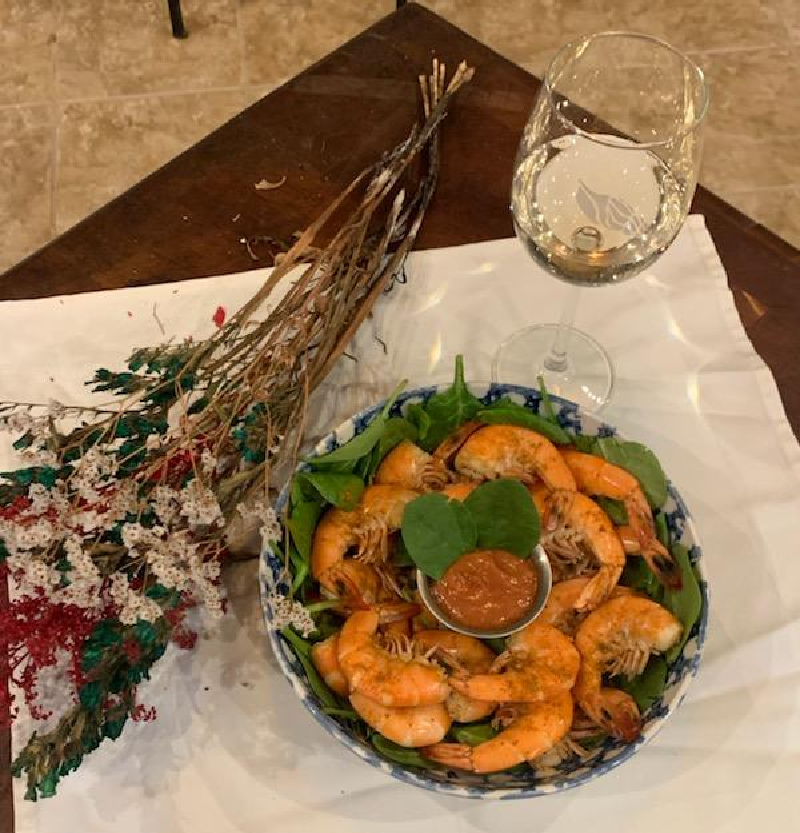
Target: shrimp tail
{"points": [[616, 712], [660, 561], [396, 611], [598, 589], [452, 755]]}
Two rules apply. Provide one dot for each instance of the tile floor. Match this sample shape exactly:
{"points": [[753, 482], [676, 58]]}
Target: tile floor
{"points": [[95, 94]]}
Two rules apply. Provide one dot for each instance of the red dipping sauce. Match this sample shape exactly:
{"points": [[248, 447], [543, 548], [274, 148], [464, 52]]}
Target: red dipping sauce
{"points": [[486, 590]]}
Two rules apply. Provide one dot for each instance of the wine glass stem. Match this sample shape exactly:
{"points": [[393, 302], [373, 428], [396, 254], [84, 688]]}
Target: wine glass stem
{"points": [[557, 360]]}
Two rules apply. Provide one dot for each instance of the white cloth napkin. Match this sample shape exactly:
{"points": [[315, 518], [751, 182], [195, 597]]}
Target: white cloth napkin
{"points": [[233, 750]]}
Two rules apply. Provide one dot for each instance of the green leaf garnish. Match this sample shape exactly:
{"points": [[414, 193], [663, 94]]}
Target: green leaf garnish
{"points": [[395, 431], [638, 576], [547, 405], [649, 685], [473, 733], [685, 604], [662, 531], [496, 643], [584, 443], [399, 754], [506, 517], [342, 490], [432, 533], [418, 417], [449, 410], [302, 523], [302, 650], [615, 509], [467, 525]]}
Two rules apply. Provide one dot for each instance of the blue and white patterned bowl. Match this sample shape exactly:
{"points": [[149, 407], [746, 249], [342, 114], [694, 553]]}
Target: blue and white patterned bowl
{"points": [[570, 773]]}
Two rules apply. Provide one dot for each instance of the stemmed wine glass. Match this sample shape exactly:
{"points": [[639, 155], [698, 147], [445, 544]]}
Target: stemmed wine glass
{"points": [[603, 180]]}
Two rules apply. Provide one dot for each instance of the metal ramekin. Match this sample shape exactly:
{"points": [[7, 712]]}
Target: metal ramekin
{"points": [[544, 581]]}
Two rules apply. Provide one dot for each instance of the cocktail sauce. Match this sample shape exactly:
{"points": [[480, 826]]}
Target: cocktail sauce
{"points": [[486, 589]]}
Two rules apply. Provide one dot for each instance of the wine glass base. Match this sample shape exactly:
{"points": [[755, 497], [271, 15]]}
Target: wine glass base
{"points": [[587, 378]]}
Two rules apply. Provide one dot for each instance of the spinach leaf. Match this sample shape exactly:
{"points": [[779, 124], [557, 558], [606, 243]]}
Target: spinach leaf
{"points": [[326, 624], [584, 443], [342, 490], [348, 714], [638, 576], [432, 533], [361, 444], [506, 517], [467, 525], [302, 523], [353, 450], [640, 462], [662, 531], [395, 431], [302, 650], [615, 509], [496, 643], [300, 568], [398, 754], [594, 741], [416, 415], [547, 405], [649, 685], [473, 733], [301, 491], [685, 604], [448, 410], [509, 413]]}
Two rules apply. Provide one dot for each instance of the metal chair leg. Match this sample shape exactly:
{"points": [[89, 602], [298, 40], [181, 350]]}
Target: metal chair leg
{"points": [[176, 19]]}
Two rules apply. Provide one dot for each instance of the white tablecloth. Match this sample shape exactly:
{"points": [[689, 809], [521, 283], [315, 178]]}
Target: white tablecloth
{"points": [[233, 750]]}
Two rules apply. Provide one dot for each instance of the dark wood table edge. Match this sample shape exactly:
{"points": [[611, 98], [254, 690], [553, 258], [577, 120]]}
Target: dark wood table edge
{"points": [[732, 214]]}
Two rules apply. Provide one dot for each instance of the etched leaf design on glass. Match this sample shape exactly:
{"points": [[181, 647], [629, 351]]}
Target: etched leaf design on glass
{"points": [[610, 212]]}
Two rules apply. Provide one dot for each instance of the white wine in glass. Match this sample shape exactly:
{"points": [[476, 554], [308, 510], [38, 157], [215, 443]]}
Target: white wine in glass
{"points": [[603, 181]]}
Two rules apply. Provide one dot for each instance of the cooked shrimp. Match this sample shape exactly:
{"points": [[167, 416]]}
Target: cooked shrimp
{"points": [[539, 662], [459, 491], [409, 466], [447, 450], [381, 509], [364, 530], [618, 638], [388, 678], [325, 656], [510, 451], [535, 729], [574, 526], [560, 610], [596, 476], [413, 726], [465, 653]]}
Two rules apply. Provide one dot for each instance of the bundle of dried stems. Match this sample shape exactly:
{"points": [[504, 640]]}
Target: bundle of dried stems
{"points": [[120, 517]]}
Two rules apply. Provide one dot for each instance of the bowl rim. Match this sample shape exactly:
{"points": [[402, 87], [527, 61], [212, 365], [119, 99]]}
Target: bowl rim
{"points": [[419, 778]]}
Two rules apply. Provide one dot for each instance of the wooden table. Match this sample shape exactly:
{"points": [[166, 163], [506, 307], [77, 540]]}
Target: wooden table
{"points": [[187, 219]]}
